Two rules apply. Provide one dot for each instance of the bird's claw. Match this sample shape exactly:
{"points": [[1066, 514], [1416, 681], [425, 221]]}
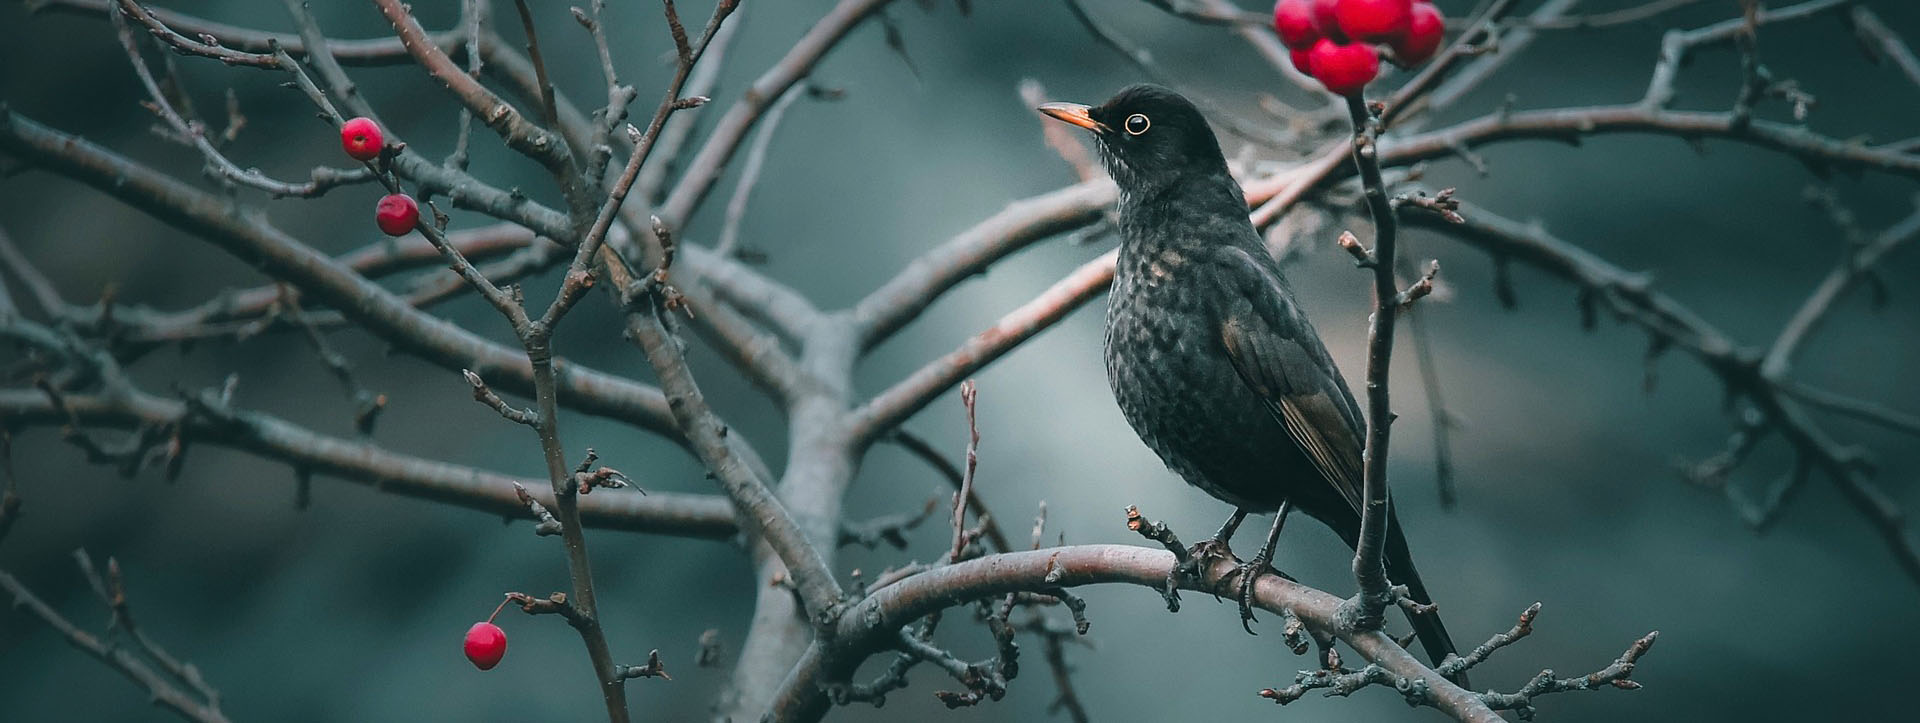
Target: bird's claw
{"points": [[1192, 569], [1248, 573], [1200, 558], [1206, 551], [1172, 591]]}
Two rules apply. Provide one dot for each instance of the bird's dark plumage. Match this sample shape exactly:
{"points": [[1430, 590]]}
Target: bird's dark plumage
{"points": [[1210, 357]]}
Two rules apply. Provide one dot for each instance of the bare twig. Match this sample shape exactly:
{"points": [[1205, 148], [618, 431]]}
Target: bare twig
{"points": [[1365, 610], [729, 240], [1883, 40], [960, 540], [168, 682], [1855, 264]]}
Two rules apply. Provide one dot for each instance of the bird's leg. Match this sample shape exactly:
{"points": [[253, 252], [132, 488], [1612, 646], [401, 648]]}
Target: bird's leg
{"points": [[1258, 566], [1203, 553], [1220, 545]]}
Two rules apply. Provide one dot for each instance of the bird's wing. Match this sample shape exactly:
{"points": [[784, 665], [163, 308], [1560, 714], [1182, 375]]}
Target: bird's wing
{"points": [[1280, 358]]}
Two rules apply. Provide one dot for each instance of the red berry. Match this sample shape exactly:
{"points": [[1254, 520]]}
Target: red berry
{"points": [[1302, 60], [397, 214], [361, 139], [1293, 20], [1325, 21], [486, 643], [1424, 32], [1344, 68], [1374, 21]]}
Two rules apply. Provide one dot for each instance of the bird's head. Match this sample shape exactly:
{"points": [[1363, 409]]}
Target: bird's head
{"points": [[1148, 135]]}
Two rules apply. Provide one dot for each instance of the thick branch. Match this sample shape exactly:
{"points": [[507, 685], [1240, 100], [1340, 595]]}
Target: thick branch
{"points": [[885, 610], [768, 518]]}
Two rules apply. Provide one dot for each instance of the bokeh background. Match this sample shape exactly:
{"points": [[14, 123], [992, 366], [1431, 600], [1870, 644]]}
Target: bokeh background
{"points": [[353, 609]]}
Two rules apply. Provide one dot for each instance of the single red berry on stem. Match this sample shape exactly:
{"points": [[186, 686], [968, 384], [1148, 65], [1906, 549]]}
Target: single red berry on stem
{"points": [[1293, 20], [1344, 68], [361, 138], [1374, 21], [397, 214], [1325, 19], [486, 645], [1425, 30]]}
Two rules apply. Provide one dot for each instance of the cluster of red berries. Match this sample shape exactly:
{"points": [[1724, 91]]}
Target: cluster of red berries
{"points": [[396, 214], [1334, 40]]}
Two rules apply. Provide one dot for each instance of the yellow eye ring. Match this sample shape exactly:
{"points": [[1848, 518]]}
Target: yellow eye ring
{"points": [[1137, 124]]}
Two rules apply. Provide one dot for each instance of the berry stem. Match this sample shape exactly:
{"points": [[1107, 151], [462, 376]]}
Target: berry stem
{"points": [[498, 608]]}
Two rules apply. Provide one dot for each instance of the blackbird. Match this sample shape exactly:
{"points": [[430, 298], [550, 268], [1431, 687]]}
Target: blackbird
{"points": [[1207, 351]]}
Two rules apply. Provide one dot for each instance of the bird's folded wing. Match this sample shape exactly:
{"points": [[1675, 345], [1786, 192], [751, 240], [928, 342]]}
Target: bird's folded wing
{"points": [[1278, 356]]}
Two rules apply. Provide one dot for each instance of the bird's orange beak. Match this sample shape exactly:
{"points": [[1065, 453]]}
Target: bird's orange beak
{"points": [[1074, 113]]}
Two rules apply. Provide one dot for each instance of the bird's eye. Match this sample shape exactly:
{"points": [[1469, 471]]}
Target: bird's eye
{"points": [[1137, 124]]}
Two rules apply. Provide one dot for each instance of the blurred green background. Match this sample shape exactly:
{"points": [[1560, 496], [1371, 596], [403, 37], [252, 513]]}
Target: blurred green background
{"points": [[354, 608]]}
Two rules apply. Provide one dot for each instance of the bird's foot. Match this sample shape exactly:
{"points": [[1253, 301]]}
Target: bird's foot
{"points": [[1192, 569], [1200, 559], [1246, 576], [1171, 593]]}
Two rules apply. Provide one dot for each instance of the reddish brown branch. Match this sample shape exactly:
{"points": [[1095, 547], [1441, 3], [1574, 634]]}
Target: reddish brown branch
{"points": [[890, 608]]}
